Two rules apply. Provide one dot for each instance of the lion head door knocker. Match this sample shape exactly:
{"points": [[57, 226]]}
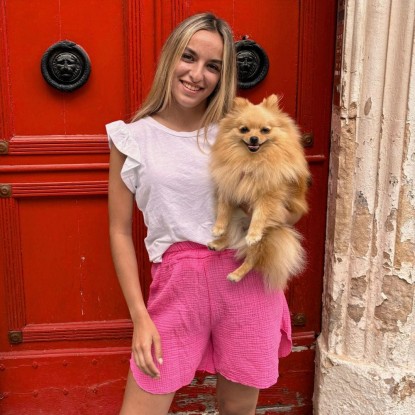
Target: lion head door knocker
{"points": [[252, 63], [65, 66]]}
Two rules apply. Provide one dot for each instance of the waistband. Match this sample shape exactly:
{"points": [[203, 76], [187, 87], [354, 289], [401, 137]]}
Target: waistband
{"points": [[193, 246], [185, 246]]}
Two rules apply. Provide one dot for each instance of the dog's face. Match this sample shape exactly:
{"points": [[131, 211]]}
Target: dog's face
{"points": [[256, 127]]}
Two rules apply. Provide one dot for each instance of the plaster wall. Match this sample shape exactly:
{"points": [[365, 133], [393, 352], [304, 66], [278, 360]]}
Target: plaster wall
{"points": [[366, 351]]}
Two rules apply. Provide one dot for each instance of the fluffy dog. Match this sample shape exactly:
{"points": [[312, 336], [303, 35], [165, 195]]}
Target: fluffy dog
{"points": [[261, 176]]}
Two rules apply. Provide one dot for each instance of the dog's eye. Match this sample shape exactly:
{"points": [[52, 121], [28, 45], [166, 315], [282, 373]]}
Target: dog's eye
{"points": [[244, 130], [265, 130]]}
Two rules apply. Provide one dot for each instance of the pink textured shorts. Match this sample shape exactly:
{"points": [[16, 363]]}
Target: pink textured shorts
{"points": [[211, 324]]}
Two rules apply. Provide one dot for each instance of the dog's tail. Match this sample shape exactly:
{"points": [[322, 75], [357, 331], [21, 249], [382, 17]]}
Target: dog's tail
{"points": [[279, 256]]}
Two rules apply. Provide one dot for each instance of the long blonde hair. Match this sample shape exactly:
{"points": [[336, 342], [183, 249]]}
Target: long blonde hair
{"points": [[221, 100]]}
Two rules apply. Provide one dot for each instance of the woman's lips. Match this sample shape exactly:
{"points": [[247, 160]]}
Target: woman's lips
{"points": [[191, 87]]}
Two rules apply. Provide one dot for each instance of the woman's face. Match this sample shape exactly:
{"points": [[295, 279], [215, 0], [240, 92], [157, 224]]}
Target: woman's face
{"points": [[198, 71]]}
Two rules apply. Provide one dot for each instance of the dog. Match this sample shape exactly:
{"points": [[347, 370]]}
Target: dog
{"points": [[261, 176]]}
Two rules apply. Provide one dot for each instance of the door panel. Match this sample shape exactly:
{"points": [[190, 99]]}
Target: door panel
{"points": [[64, 327], [73, 224], [95, 25]]}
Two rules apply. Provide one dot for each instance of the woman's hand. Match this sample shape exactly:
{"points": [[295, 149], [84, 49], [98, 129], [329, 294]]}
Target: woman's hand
{"points": [[145, 339]]}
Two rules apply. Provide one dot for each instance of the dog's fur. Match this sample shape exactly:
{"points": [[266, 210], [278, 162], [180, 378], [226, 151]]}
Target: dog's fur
{"points": [[261, 174]]}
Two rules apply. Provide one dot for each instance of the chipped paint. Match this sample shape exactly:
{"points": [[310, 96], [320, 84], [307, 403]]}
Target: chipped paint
{"points": [[274, 409], [344, 182], [355, 312], [358, 286], [296, 349], [390, 221], [362, 225], [405, 247], [397, 303], [404, 389], [368, 106]]}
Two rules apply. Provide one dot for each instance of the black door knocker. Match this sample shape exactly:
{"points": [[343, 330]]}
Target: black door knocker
{"points": [[252, 63], [65, 66]]}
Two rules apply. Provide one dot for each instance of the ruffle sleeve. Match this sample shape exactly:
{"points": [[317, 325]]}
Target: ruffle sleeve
{"points": [[119, 135]]}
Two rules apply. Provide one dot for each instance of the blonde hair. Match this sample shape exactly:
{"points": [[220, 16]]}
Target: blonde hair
{"points": [[221, 100]]}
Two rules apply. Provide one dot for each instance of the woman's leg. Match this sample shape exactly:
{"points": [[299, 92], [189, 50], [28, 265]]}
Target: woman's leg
{"points": [[139, 402], [234, 398]]}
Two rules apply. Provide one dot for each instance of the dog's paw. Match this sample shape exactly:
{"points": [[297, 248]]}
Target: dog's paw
{"points": [[217, 245], [253, 238], [218, 231], [212, 246], [233, 277]]}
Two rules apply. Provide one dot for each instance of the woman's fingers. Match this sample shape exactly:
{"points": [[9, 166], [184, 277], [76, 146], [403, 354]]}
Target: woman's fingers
{"points": [[146, 340], [158, 353], [150, 366], [144, 357]]}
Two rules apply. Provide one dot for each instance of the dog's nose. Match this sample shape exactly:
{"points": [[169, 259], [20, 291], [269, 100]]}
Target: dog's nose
{"points": [[253, 140]]}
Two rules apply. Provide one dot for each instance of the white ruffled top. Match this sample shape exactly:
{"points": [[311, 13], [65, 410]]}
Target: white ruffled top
{"points": [[169, 175]]}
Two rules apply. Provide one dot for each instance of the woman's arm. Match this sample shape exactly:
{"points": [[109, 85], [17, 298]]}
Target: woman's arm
{"points": [[121, 203]]}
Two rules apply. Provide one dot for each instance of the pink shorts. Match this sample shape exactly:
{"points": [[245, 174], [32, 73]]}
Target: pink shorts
{"points": [[211, 324]]}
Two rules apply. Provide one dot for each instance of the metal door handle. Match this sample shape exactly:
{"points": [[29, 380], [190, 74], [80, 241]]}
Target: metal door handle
{"points": [[252, 63], [65, 66]]}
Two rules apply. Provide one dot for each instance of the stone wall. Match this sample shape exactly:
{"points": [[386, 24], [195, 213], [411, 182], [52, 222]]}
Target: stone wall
{"points": [[366, 351]]}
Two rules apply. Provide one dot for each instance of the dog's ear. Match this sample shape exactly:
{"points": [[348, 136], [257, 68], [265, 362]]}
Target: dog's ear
{"points": [[240, 102], [272, 102]]}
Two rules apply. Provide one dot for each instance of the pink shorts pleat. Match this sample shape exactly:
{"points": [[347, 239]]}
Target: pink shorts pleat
{"points": [[211, 324]]}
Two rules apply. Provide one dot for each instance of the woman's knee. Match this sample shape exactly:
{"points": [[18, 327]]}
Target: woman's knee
{"points": [[235, 399], [137, 401]]}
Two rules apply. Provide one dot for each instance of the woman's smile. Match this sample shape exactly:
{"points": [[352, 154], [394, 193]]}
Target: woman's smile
{"points": [[191, 87]]}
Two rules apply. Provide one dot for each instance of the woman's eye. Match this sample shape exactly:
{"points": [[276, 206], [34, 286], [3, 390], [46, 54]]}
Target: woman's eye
{"points": [[187, 57], [214, 67], [265, 130], [244, 130]]}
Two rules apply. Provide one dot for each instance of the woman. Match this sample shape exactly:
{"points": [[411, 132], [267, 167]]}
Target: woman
{"points": [[195, 319]]}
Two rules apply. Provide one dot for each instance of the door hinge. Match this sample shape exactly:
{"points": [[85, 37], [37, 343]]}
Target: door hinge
{"points": [[4, 147], [5, 190], [15, 336]]}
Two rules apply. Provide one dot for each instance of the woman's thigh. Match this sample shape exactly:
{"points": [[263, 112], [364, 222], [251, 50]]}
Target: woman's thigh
{"points": [[234, 398], [139, 402]]}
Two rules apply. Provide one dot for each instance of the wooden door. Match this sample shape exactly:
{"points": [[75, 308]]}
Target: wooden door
{"points": [[64, 328]]}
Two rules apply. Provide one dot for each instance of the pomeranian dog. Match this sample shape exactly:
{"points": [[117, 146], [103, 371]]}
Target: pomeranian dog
{"points": [[261, 177]]}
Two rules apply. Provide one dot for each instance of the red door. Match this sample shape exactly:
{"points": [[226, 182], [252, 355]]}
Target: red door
{"points": [[65, 334]]}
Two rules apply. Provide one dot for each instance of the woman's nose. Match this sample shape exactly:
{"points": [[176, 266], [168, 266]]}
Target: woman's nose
{"points": [[196, 74]]}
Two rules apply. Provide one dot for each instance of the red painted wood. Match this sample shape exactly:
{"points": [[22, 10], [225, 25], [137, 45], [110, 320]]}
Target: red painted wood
{"points": [[64, 144], [12, 292], [89, 330], [57, 283], [82, 382]]}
